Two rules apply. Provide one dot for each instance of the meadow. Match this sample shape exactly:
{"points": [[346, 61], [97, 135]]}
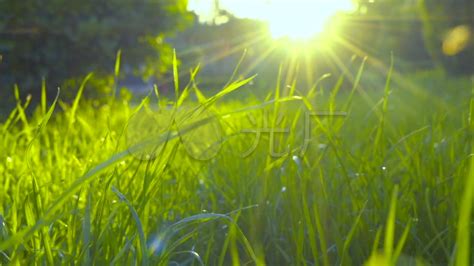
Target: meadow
{"points": [[330, 175]]}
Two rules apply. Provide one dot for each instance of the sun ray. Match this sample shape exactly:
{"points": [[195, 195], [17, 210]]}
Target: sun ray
{"points": [[308, 71], [235, 49], [397, 78], [259, 59]]}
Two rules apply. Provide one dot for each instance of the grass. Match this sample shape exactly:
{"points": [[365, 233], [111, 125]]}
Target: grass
{"points": [[388, 180]]}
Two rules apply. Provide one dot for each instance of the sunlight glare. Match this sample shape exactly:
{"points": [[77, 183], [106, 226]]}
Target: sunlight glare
{"points": [[303, 19], [296, 19]]}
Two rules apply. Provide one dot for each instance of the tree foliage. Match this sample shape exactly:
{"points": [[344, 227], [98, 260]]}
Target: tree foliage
{"points": [[416, 30], [60, 39]]}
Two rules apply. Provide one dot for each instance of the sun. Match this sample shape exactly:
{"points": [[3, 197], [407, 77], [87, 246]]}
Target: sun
{"points": [[295, 19], [301, 20]]}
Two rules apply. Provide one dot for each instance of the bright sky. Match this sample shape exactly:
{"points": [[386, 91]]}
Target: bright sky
{"points": [[294, 18]]}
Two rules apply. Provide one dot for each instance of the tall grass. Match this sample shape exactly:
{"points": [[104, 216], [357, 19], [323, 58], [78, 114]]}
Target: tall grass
{"points": [[384, 178]]}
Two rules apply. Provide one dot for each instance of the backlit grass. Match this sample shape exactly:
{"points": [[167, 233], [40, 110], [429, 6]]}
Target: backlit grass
{"points": [[356, 175]]}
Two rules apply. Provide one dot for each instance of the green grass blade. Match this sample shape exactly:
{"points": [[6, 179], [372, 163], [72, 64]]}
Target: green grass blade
{"points": [[141, 233], [72, 114], [236, 69], [401, 243], [175, 76], [118, 58], [390, 225], [463, 239], [348, 240]]}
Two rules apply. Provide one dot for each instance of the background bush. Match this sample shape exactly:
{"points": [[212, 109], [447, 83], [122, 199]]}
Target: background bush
{"points": [[58, 39]]}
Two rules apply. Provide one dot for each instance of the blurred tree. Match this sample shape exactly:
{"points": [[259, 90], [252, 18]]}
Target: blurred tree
{"points": [[416, 30], [443, 20], [60, 39]]}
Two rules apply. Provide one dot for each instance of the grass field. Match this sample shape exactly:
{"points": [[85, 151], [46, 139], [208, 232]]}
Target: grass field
{"points": [[327, 176]]}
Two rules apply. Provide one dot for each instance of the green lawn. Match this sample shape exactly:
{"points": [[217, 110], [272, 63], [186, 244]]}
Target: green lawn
{"points": [[218, 181]]}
